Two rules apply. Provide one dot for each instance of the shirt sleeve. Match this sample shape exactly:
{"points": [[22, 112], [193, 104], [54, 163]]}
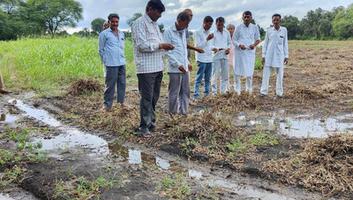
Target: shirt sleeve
{"points": [[236, 37], [286, 52], [229, 40], [170, 54], [200, 40], [101, 44], [140, 38], [265, 44], [257, 33]]}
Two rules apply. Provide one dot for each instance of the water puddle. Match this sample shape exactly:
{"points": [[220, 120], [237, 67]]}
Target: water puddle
{"points": [[69, 139], [72, 139], [8, 119], [134, 156], [301, 126]]}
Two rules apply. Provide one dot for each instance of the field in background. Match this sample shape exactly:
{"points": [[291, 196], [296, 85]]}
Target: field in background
{"points": [[49, 65]]}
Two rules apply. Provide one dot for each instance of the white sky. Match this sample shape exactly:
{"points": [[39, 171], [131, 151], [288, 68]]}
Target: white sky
{"points": [[262, 9]]}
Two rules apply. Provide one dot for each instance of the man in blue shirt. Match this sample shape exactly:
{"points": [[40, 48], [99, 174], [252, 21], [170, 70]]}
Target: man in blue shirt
{"points": [[111, 51]]}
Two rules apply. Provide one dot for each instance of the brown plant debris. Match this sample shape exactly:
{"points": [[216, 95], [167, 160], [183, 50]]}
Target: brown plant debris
{"points": [[325, 165], [84, 86]]}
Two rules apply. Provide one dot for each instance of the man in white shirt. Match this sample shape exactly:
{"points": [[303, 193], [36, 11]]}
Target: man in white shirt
{"points": [[221, 48], [179, 66], [274, 55], [149, 48], [203, 40], [246, 38]]}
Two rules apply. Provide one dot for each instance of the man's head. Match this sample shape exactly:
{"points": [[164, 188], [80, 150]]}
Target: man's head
{"points": [[113, 19], [183, 21], [189, 12], [231, 28], [220, 23], [207, 22], [154, 9], [276, 20], [247, 17]]}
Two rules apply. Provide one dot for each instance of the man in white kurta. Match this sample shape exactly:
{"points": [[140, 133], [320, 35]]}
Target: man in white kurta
{"points": [[246, 38], [221, 48], [274, 55]]}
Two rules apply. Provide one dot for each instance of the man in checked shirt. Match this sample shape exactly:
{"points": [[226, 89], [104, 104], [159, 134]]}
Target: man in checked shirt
{"points": [[149, 48]]}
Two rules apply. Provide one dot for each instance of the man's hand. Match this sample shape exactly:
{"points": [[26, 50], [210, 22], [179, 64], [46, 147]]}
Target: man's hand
{"points": [[263, 61], [181, 68], [242, 47], [210, 37], [252, 46], [199, 50], [215, 50], [190, 67], [166, 46], [286, 61], [227, 51]]}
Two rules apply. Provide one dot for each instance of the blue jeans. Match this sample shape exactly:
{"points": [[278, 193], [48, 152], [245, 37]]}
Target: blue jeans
{"points": [[204, 71], [114, 76]]}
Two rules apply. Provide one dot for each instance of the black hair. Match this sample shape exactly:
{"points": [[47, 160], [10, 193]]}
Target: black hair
{"points": [[277, 15], [220, 19], [113, 15], [208, 19], [247, 13], [155, 5], [183, 16]]}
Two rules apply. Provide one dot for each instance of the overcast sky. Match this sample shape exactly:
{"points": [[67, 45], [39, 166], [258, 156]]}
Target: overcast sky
{"points": [[230, 9]]}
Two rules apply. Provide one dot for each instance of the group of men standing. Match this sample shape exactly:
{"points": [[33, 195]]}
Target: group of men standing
{"points": [[214, 50]]}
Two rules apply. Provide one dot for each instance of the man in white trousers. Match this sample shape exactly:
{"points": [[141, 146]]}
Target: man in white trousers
{"points": [[274, 55], [221, 48], [246, 38]]}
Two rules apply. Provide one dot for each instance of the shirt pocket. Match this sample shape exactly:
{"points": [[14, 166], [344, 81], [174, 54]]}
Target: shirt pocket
{"points": [[280, 40]]}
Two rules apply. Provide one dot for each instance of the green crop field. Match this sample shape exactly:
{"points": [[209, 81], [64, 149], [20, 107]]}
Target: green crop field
{"points": [[49, 65]]}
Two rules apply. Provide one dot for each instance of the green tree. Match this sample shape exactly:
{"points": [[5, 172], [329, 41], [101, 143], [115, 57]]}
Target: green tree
{"points": [[343, 23], [55, 14], [133, 19], [293, 26], [97, 25]]}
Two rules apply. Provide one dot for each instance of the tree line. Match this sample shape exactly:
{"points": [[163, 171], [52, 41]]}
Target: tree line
{"points": [[21, 18], [37, 17], [321, 24]]}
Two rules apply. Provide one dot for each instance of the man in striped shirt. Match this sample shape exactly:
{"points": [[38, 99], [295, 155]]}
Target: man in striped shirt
{"points": [[149, 48]]}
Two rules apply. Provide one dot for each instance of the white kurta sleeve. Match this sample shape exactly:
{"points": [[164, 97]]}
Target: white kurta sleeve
{"points": [[265, 44], [257, 33], [236, 37], [286, 52], [200, 41]]}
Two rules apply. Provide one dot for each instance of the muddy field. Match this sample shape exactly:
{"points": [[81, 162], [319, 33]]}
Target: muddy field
{"points": [[296, 147]]}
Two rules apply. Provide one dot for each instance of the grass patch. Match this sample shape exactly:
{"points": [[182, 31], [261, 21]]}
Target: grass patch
{"points": [[81, 188], [174, 187], [12, 162]]}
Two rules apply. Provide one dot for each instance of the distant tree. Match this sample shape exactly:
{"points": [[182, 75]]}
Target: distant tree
{"points": [[343, 23], [292, 24], [133, 19], [55, 14], [97, 25], [9, 6]]}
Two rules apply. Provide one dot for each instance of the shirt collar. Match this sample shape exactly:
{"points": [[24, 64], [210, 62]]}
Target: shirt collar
{"points": [[148, 19], [280, 28]]}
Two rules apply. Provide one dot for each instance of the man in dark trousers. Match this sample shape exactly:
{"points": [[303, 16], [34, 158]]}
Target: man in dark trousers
{"points": [[149, 48]]}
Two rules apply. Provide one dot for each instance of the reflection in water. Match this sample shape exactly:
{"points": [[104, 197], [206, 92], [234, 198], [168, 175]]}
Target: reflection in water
{"points": [[7, 119], [38, 114], [315, 128], [70, 139]]}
